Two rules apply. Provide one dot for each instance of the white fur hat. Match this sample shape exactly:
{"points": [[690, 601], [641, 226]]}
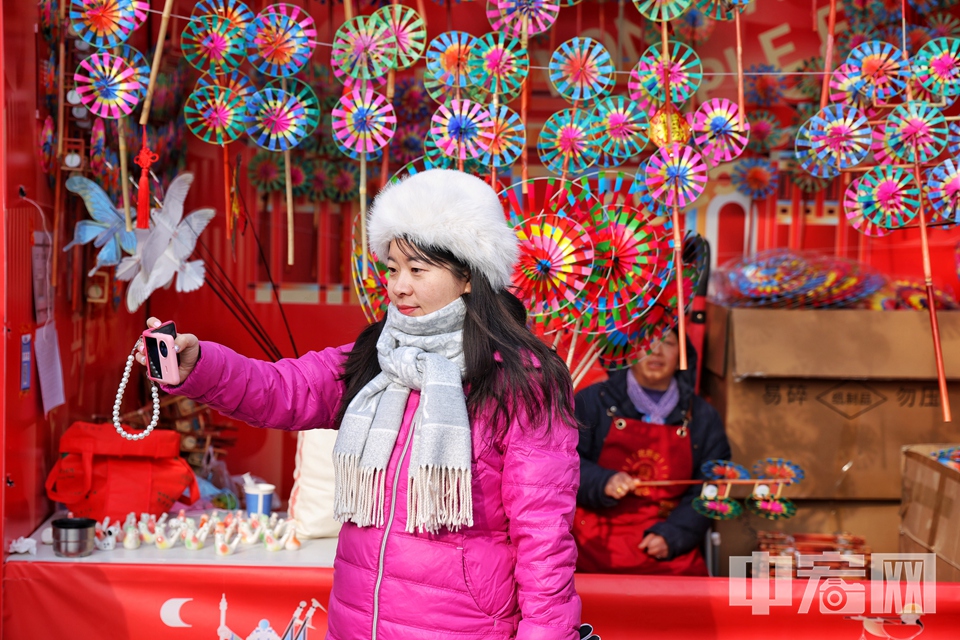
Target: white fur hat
{"points": [[451, 210]]}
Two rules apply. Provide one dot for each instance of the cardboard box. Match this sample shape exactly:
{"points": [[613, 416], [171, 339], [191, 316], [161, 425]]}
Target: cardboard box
{"points": [[876, 521], [838, 392], [930, 515]]}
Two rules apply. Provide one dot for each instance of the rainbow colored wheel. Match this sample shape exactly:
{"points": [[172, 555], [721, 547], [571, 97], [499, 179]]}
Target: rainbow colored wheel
{"points": [[717, 508], [916, 132], [275, 120], [447, 58], [498, 65], [307, 98], [345, 186], [554, 264], [944, 185], [280, 40], [684, 71], [722, 9], [408, 30], [364, 121], [844, 83], [568, 141], [724, 470], [943, 25], [778, 470], [505, 139], [233, 11], [878, 69], [937, 65], [107, 86], [509, 16], [853, 210], [676, 176], [581, 69], [766, 132], [215, 114], [661, 10], [809, 82], [623, 127], [764, 85], [139, 64], [213, 44], [694, 27], [806, 156], [103, 23], [717, 131], [888, 196], [755, 177], [47, 141], [364, 48], [461, 129], [771, 508], [265, 173], [839, 136]]}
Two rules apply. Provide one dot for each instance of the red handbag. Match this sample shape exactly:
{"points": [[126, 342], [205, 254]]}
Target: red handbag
{"points": [[101, 474]]}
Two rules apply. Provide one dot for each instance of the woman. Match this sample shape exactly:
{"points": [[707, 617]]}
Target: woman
{"points": [[456, 465], [644, 423]]}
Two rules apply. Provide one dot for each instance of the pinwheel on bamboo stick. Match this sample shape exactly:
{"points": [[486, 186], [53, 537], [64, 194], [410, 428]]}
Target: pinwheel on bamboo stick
{"points": [[944, 193], [878, 69], [568, 143], [718, 131], [462, 130], [364, 121], [581, 69], [499, 66], [943, 25], [623, 127], [683, 70], [755, 177], [916, 132], [853, 210], [766, 132]]}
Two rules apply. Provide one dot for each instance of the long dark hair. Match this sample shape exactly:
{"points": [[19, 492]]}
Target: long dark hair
{"points": [[509, 371]]}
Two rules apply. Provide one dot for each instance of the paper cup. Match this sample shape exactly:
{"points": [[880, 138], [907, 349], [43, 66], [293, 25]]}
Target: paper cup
{"points": [[259, 498]]}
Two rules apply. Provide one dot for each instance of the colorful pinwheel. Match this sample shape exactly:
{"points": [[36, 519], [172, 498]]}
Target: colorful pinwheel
{"points": [[811, 74], [103, 23], [107, 85], [694, 27], [916, 132], [213, 44], [878, 69], [844, 88], [554, 264], [888, 196], [771, 508], [264, 172], [408, 30], [716, 130], [568, 142], [462, 129], [623, 127], [944, 185], [661, 10], [581, 69], [235, 81], [722, 9], [684, 71], [280, 40], [629, 254], [717, 508], [506, 137], [755, 177], [364, 48], [676, 176], [937, 65], [498, 65], [778, 470], [838, 136], [520, 18], [723, 470], [306, 98], [275, 120], [943, 25], [364, 121], [766, 132], [764, 85], [447, 58], [215, 114]]}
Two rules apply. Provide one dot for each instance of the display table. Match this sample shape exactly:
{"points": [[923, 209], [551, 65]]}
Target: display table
{"points": [[150, 594]]}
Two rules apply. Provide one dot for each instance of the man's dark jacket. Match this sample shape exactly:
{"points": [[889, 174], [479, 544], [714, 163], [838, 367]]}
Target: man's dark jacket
{"points": [[596, 407]]}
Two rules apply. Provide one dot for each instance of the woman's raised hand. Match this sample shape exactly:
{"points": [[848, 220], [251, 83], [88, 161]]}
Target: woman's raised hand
{"points": [[186, 344]]}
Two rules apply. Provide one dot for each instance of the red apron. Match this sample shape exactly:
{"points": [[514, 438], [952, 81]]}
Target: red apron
{"points": [[608, 540]]}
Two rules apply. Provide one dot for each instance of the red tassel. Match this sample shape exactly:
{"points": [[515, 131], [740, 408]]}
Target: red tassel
{"points": [[145, 158]]}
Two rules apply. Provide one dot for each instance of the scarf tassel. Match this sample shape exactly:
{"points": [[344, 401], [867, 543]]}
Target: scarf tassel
{"points": [[439, 497], [358, 493]]}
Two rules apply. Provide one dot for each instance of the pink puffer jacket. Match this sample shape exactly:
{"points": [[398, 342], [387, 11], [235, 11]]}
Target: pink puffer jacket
{"points": [[508, 576]]}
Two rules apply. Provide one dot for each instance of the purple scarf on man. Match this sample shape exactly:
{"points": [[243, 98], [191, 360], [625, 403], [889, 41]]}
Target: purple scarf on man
{"points": [[654, 411]]}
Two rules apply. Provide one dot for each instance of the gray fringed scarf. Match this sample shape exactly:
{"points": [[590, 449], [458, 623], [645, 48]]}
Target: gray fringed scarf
{"points": [[425, 353]]}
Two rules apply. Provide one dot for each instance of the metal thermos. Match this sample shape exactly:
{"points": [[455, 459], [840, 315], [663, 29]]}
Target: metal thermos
{"points": [[73, 537]]}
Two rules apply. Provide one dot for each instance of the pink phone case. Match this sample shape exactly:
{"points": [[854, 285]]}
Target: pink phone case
{"points": [[161, 357]]}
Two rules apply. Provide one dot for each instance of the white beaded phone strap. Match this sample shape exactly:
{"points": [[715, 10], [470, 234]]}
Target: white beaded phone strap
{"points": [[123, 387]]}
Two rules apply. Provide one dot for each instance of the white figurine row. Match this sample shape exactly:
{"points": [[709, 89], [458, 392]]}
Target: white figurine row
{"points": [[229, 531]]}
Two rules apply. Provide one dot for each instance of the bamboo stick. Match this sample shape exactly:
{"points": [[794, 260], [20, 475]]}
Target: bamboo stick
{"points": [[157, 57]]}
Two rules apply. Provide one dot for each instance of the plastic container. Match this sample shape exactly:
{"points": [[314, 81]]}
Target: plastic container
{"points": [[259, 497], [73, 537]]}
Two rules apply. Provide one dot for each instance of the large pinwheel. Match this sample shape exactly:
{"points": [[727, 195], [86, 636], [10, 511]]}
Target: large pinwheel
{"points": [[280, 40], [889, 197], [938, 66], [755, 177], [107, 85], [498, 66], [623, 128], [717, 130], [853, 210], [766, 132], [568, 143], [661, 10], [461, 129], [523, 18], [581, 69], [916, 132], [213, 44], [676, 176], [878, 69], [365, 48], [683, 70], [103, 23], [838, 136]]}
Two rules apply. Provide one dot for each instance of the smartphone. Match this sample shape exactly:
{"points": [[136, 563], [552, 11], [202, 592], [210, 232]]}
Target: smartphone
{"points": [[163, 363]]}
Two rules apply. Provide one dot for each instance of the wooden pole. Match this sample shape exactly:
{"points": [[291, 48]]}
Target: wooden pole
{"points": [[828, 57], [124, 172], [157, 57]]}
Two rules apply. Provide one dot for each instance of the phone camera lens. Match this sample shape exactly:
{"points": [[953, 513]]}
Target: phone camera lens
{"points": [[163, 349]]}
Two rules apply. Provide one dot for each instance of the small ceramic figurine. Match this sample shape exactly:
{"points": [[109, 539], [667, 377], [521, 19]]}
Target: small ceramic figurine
{"points": [[131, 537], [147, 536], [222, 541], [165, 540], [194, 540]]}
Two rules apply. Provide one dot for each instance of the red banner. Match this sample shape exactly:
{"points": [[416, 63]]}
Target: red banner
{"points": [[147, 602]]}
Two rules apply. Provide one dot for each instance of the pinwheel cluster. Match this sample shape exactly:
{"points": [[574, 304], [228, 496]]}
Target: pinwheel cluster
{"points": [[789, 280], [770, 476]]}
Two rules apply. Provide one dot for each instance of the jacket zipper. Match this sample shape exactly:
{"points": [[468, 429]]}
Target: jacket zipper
{"points": [[383, 544]]}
